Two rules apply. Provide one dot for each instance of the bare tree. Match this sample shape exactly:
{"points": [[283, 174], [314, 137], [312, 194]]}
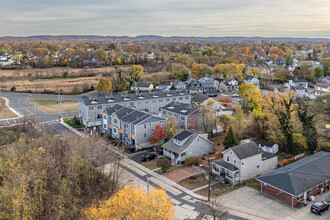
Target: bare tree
{"points": [[217, 209]]}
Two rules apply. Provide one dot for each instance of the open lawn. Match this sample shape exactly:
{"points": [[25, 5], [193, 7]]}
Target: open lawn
{"points": [[151, 165], [51, 105], [4, 111], [190, 183]]}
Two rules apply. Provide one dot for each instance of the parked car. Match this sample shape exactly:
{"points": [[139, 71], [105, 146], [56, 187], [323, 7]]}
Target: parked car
{"points": [[149, 156], [212, 95], [319, 207]]}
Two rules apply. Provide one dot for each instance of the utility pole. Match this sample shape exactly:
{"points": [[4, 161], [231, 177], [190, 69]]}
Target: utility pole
{"points": [[59, 104], [35, 111], [209, 190], [147, 182]]}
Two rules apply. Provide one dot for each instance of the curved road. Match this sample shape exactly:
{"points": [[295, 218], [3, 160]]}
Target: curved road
{"points": [[19, 102]]}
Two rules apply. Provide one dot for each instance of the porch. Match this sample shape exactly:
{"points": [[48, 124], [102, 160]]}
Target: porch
{"points": [[175, 157], [225, 170]]}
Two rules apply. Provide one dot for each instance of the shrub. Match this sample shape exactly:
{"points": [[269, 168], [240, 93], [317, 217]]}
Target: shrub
{"points": [[65, 74], [13, 89], [164, 163], [189, 161]]}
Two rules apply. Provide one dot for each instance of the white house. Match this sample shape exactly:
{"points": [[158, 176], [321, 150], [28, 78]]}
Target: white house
{"points": [[178, 84], [251, 79], [321, 88], [142, 86], [185, 144], [301, 92], [243, 162], [268, 147]]}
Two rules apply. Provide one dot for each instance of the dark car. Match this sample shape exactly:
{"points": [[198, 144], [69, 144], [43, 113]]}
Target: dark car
{"points": [[212, 95], [319, 207], [147, 157]]}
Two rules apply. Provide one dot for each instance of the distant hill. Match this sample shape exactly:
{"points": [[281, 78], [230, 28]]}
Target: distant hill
{"points": [[149, 37]]}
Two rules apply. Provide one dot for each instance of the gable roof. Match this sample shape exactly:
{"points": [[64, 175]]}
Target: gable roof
{"points": [[266, 143], [300, 176], [141, 85], [249, 77], [170, 146], [113, 109], [246, 150]]}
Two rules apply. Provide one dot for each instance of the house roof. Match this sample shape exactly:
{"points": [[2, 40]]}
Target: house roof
{"points": [[113, 109], [322, 85], [246, 150], [98, 98], [225, 164], [199, 98], [171, 146], [180, 108], [249, 77], [300, 80], [298, 87], [266, 143], [300, 176], [183, 135]]}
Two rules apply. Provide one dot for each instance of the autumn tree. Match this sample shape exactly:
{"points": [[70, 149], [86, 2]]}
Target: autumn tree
{"points": [[217, 209], [171, 124], [225, 101], [225, 120], [102, 56], [208, 115], [104, 86], [285, 121], [230, 139], [309, 129], [251, 95], [134, 74], [180, 71], [200, 70], [245, 50], [133, 203], [119, 82], [158, 134], [326, 65], [239, 119]]}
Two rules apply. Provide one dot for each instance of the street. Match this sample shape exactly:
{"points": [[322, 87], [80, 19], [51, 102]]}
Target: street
{"points": [[19, 102]]}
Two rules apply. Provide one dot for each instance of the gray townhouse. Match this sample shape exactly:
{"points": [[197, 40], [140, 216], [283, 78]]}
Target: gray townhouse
{"points": [[186, 114], [131, 126], [91, 106]]}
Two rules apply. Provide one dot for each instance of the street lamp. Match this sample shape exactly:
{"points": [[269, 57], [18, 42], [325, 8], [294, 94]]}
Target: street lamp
{"points": [[209, 189]]}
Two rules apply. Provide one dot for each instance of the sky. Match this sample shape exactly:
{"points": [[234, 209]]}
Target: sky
{"points": [[203, 18]]}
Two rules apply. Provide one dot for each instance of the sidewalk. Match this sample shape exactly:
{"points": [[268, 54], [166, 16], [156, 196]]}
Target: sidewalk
{"points": [[71, 128]]}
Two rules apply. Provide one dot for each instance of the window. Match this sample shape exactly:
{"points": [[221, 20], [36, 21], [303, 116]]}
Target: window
{"points": [[242, 162], [104, 126], [104, 117], [145, 134], [228, 158], [182, 118], [174, 99], [115, 121], [160, 100], [168, 99], [154, 101], [139, 102], [164, 112], [187, 97], [258, 166], [235, 161], [145, 126], [146, 102], [90, 108], [180, 98], [132, 103], [115, 130]]}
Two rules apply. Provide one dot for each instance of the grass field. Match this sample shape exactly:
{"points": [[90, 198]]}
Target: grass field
{"points": [[4, 111], [51, 105]]}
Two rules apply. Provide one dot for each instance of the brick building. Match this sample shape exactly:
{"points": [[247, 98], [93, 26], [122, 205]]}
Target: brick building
{"points": [[298, 181]]}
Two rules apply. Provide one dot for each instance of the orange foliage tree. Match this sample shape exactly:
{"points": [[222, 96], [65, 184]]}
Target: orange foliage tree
{"points": [[133, 203], [159, 134]]}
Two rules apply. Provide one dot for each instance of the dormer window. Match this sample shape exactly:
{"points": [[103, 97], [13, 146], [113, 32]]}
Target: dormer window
{"points": [[227, 158]]}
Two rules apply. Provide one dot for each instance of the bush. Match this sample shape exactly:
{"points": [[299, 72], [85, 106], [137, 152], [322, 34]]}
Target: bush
{"points": [[164, 163], [13, 89], [65, 74], [189, 161], [324, 147]]}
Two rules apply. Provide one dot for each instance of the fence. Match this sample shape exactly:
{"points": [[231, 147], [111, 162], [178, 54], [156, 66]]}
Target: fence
{"points": [[293, 158], [203, 160]]}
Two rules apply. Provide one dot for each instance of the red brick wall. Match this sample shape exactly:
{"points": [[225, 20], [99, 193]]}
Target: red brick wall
{"points": [[277, 194], [285, 197]]}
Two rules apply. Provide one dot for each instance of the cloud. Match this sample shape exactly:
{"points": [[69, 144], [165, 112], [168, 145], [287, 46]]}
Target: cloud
{"points": [[296, 18]]}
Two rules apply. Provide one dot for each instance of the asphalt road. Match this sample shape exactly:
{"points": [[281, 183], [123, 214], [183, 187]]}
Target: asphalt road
{"points": [[19, 102]]}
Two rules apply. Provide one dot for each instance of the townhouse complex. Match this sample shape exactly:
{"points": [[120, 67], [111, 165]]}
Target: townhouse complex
{"points": [[91, 106]]}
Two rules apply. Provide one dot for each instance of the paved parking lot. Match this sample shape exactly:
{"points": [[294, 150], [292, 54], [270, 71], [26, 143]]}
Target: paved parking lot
{"points": [[254, 200]]}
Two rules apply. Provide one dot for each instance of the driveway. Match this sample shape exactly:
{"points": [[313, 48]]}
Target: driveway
{"points": [[255, 201]]}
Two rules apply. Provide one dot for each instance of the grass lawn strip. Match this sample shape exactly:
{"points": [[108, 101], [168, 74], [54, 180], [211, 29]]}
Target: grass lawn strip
{"points": [[51, 105], [5, 112]]}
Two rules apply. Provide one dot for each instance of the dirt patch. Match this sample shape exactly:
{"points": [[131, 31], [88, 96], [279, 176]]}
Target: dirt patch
{"points": [[4, 111], [151, 165], [217, 143], [193, 183], [51, 105], [215, 190], [182, 173]]}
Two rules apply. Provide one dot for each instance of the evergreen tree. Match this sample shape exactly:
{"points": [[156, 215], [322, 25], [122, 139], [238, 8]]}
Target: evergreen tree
{"points": [[309, 130], [230, 138]]}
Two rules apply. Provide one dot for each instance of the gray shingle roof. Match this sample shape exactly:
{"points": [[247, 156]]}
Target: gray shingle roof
{"points": [[128, 97], [199, 98], [300, 176], [266, 143], [180, 108], [170, 146], [246, 150], [113, 109], [183, 135], [141, 85], [225, 164]]}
